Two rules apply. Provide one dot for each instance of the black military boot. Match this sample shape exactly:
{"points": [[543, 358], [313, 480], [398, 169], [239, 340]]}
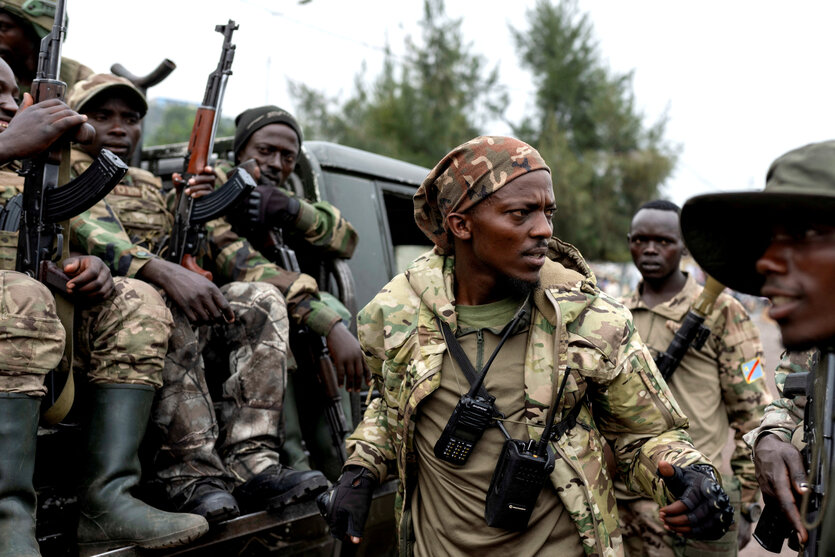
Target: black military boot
{"points": [[110, 516], [277, 487], [208, 497], [19, 416]]}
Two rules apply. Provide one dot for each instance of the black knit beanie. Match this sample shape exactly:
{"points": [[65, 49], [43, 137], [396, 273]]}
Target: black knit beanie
{"points": [[252, 120]]}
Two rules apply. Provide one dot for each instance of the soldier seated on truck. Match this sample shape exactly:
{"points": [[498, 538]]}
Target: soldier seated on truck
{"points": [[122, 328], [213, 471], [272, 138]]}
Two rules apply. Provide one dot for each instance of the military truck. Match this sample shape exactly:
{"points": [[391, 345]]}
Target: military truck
{"points": [[375, 194]]}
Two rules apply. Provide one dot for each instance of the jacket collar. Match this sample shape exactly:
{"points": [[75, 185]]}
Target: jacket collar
{"points": [[675, 308]]}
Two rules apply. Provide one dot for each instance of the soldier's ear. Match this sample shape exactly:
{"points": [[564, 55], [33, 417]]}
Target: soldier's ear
{"points": [[459, 225]]}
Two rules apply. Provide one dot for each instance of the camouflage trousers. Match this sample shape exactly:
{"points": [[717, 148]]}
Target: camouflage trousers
{"points": [[122, 339], [244, 365], [644, 534]]}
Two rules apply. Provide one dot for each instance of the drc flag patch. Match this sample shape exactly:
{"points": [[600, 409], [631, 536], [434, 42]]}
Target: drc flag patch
{"points": [[753, 370]]}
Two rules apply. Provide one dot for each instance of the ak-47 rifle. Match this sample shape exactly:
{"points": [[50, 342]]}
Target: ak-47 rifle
{"points": [[692, 331], [819, 389], [192, 214], [315, 349], [44, 204]]}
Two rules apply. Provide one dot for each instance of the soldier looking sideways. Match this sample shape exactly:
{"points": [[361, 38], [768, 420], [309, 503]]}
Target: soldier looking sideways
{"points": [[786, 253], [713, 385], [123, 328], [568, 355]]}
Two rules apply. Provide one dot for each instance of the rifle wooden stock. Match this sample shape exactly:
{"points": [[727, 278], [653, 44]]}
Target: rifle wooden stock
{"points": [[189, 262], [200, 141], [327, 380]]}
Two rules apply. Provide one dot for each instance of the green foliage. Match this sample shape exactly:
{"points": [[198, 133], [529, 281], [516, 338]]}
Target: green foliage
{"points": [[415, 110], [604, 161], [171, 122]]}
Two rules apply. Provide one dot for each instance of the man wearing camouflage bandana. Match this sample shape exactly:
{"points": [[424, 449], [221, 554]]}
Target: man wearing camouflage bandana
{"points": [[488, 207], [239, 328], [711, 384], [122, 332]]}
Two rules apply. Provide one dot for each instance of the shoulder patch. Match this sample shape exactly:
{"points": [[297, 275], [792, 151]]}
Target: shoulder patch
{"points": [[752, 370], [127, 191]]}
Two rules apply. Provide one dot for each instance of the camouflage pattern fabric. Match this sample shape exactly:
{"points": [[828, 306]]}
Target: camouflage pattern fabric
{"points": [[784, 416], [101, 231], [31, 335], [251, 355], [574, 327], [319, 223], [82, 92], [465, 176], [710, 381], [124, 339]]}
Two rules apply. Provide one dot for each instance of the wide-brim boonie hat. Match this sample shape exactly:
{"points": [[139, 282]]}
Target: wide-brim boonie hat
{"points": [[726, 233]]}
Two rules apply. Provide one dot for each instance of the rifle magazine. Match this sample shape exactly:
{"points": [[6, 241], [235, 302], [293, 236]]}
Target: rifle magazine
{"points": [[86, 190], [217, 203]]}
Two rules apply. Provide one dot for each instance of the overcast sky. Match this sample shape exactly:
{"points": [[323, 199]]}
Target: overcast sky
{"points": [[741, 82]]}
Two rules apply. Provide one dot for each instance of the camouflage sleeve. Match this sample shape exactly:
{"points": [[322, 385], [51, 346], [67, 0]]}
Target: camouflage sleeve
{"points": [[784, 415], [739, 349], [98, 232], [322, 225], [641, 420], [232, 258], [370, 445]]}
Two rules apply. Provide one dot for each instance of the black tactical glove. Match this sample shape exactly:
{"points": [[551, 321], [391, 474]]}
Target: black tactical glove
{"points": [[276, 208], [345, 506], [711, 512]]}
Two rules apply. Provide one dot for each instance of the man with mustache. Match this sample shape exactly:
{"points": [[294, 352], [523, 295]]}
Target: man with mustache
{"points": [[710, 384], [786, 252], [122, 329], [499, 287], [238, 326]]}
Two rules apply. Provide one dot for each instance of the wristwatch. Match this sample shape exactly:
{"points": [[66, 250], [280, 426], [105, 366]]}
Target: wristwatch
{"points": [[751, 511]]}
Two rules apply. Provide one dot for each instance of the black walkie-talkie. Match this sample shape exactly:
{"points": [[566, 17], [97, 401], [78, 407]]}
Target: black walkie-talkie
{"points": [[465, 427]]}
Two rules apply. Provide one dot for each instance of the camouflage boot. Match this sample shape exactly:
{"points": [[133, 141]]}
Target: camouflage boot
{"points": [[18, 435], [110, 516]]}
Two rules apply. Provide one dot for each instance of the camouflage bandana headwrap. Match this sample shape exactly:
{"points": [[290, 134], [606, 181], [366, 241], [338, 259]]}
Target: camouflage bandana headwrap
{"points": [[465, 176]]}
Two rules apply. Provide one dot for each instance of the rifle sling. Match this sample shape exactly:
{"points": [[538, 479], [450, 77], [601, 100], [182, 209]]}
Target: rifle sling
{"points": [[66, 313]]}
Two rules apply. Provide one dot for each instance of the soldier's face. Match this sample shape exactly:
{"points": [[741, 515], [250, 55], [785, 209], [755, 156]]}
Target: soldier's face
{"points": [[508, 231], [799, 266], [655, 243], [18, 45], [118, 127], [8, 95], [275, 148]]}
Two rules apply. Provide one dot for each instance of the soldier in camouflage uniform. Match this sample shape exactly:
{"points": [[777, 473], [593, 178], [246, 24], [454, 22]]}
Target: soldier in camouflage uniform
{"points": [[272, 138], [786, 254], [122, 337], [243, 329], [488, 206], [711, 384], [24, 24]]}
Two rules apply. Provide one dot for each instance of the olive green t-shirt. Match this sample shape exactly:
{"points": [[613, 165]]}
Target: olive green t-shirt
{"points": [[448, 502]]}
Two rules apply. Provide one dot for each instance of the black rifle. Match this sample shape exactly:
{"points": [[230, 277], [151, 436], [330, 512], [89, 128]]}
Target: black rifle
{"points": [[692, 331], [191, 214], [773, 527], [315, 349], [44, 204]]}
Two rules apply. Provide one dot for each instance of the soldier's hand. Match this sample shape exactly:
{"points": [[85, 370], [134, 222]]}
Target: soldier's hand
{"points": [[702, 510], [199, 185], [90, 277], [351, 369], [345, 506], [198, 297], [36, 127], [781, 476]]}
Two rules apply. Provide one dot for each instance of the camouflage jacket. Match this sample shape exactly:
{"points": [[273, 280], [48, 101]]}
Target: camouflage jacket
{"points": [[784, 416], [319, 223], [575, 329], [124, 230], [710, 384]]}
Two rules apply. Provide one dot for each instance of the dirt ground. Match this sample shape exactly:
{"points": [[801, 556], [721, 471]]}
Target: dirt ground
{"points": [[771, 342]]}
